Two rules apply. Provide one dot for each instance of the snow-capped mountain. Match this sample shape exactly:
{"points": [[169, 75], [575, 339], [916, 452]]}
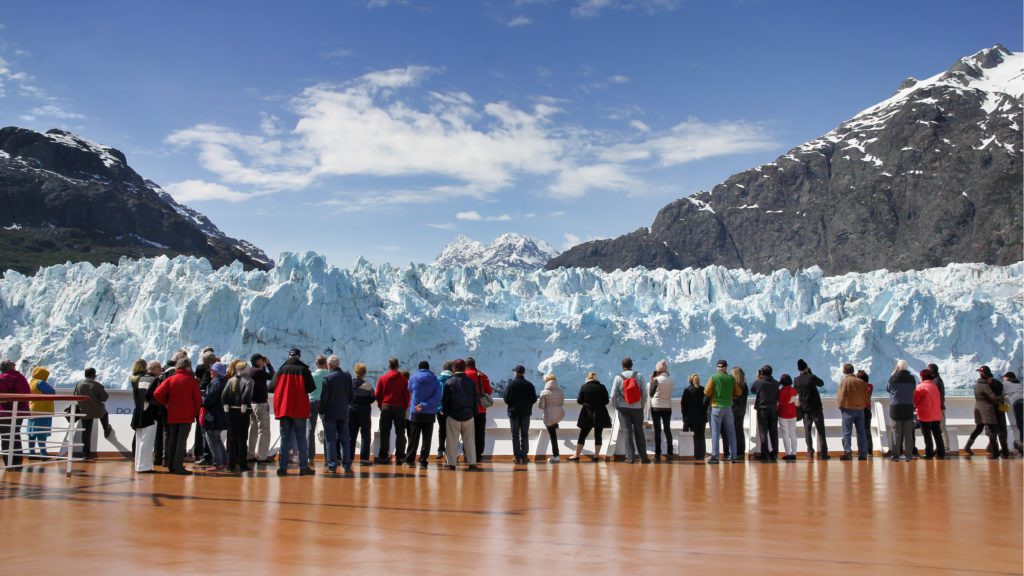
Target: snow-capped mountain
{"points": [[568, 321], [507, 251], [927, 177], [66, 198]]}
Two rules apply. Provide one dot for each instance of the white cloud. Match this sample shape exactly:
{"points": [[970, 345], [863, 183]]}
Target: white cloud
{"points": [[385, 3], [52, 112], [387, 125], [337, 54], [618, 79], [444, 226], [577, 181], [593, 8], [519, 21], [197, 190], [474, 216], [639, 125]]}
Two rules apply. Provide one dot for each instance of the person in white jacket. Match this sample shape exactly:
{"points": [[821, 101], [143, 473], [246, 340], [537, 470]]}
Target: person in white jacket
{"points": [[659, 388], [552, 402]]}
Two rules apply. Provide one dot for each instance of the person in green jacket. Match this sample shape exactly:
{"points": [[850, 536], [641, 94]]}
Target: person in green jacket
{"points": [[721, 389]]}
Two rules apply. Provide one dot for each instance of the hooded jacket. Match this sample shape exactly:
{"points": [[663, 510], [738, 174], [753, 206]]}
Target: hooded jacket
{"points": [[520, 396], [291, 387], [213, 400], [39, 385], [180, 394], [483, 386], [13, 383], [552, 402], [425, 392], [928, 402], [619, 393], [986, 400], [901, 392]]}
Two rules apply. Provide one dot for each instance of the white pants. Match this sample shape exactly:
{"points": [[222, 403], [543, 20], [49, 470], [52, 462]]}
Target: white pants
{"points": [[787, 430], [467, 431], [144, 440], [259, 432]]}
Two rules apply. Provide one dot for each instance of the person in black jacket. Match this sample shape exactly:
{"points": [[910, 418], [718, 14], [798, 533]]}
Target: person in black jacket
{"points": [[215, 420], [593, 399], [201, 451], [520, 396], [695, 415], [766, 403], [807, 385], [144, 417], [459, 402], [359, 416], [237, 399], [261, 372], [335, 400]]}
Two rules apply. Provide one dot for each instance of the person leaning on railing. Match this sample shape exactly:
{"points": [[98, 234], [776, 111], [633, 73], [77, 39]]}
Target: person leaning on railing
{"points": [[39, 426], [12, 382]]}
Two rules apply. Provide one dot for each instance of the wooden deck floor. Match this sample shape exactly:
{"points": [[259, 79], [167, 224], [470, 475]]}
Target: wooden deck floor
{"points": [[871, 517]]}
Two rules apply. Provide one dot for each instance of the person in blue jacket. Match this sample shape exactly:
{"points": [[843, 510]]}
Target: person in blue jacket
{"points": [[216, 419], [425, 390]]}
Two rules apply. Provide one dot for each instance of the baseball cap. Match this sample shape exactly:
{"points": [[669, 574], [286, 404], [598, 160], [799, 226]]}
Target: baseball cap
{"points": [[985, 371], [722, 363], [295, 353]]}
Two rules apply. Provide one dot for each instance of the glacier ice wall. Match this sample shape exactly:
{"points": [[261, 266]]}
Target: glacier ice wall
{"points": [[569, 321]]}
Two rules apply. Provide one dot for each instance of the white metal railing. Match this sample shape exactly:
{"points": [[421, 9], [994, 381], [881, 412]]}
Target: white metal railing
{"points": [[15, 439]]}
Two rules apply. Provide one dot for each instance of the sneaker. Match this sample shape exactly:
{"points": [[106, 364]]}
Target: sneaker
{"points": [[554, 460], [474, 467], [407, 465], [713, 461], [846, 457], [332, 469], [307, 472]]}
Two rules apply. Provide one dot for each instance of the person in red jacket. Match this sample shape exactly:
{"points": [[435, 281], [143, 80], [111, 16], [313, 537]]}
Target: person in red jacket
{"points": [[928, 404], [787, 416], [180, 395], [483, 387], [392, 395], [291, 387]]}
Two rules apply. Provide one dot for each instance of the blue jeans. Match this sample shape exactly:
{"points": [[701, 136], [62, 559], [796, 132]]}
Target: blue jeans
{"points": [[850, 419], [293, 435], [722, 419], [520, 436], [216, 445], [38, 433], [336, 435]]}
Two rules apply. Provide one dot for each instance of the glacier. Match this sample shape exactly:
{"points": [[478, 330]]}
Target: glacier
{"points": [[568, 321]]}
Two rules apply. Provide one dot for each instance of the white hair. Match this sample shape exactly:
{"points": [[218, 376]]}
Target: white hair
{"points": [[901, 364], [333, 361]]}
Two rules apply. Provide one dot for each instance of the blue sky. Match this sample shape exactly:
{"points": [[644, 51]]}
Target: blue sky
{"points": [[385, 128]]}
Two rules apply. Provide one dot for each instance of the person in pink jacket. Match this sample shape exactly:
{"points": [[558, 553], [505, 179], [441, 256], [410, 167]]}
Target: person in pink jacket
{"points": [[12, 382], [928, 404]]}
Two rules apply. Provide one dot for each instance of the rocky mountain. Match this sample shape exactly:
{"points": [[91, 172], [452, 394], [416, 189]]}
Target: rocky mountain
{"points": [[507, 251], [927, 177], [66, 198]]}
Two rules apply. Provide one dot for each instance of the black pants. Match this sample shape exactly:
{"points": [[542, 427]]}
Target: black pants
{"points": [[160, 441], [1001, 433], [177, 437], [867, 430], [5, 443], [87, 447], [699, 444], [815, 420], [480, 427], [420, 429], [442, 432], [932, 430], [662, 418], [200, 451], [978, 429], [553, 435], [392, 416], [738, 414], [314, 412], [768, 433], [359, 424], [1018, 415], [238, 438], [584, 432]]}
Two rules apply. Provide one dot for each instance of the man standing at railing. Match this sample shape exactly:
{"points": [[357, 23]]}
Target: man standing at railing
{"points": [[392, 395], [12, 382], [722, 390], [484, 393], [852, 398], [93, 408], [807, 385]]}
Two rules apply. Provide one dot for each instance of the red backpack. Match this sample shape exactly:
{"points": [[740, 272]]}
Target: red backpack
{"points": [[631, 389]]}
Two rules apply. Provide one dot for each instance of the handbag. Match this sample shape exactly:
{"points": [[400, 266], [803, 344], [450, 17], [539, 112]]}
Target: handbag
{"points": [[1004, 407]]}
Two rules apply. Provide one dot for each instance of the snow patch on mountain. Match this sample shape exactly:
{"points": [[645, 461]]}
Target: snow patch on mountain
{"points": [[507, 251], [569, 321]]}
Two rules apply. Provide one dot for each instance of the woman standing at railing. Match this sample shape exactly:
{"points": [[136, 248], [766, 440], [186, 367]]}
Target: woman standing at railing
{"points": [[552, 403], [39, 426], [144, 380], [867, 412], [659, 388], [593, 398]]}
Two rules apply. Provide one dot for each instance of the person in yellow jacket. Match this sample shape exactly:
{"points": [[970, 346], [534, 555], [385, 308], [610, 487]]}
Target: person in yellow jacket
{"points": [[39, 426]]}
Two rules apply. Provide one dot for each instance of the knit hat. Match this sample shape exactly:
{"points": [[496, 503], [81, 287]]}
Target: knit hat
{"points": [[661, 367], [220, 369], [801, 365]]}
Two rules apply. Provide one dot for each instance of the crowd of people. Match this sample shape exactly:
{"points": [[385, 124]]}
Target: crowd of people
{"points": [[233, 398]]}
